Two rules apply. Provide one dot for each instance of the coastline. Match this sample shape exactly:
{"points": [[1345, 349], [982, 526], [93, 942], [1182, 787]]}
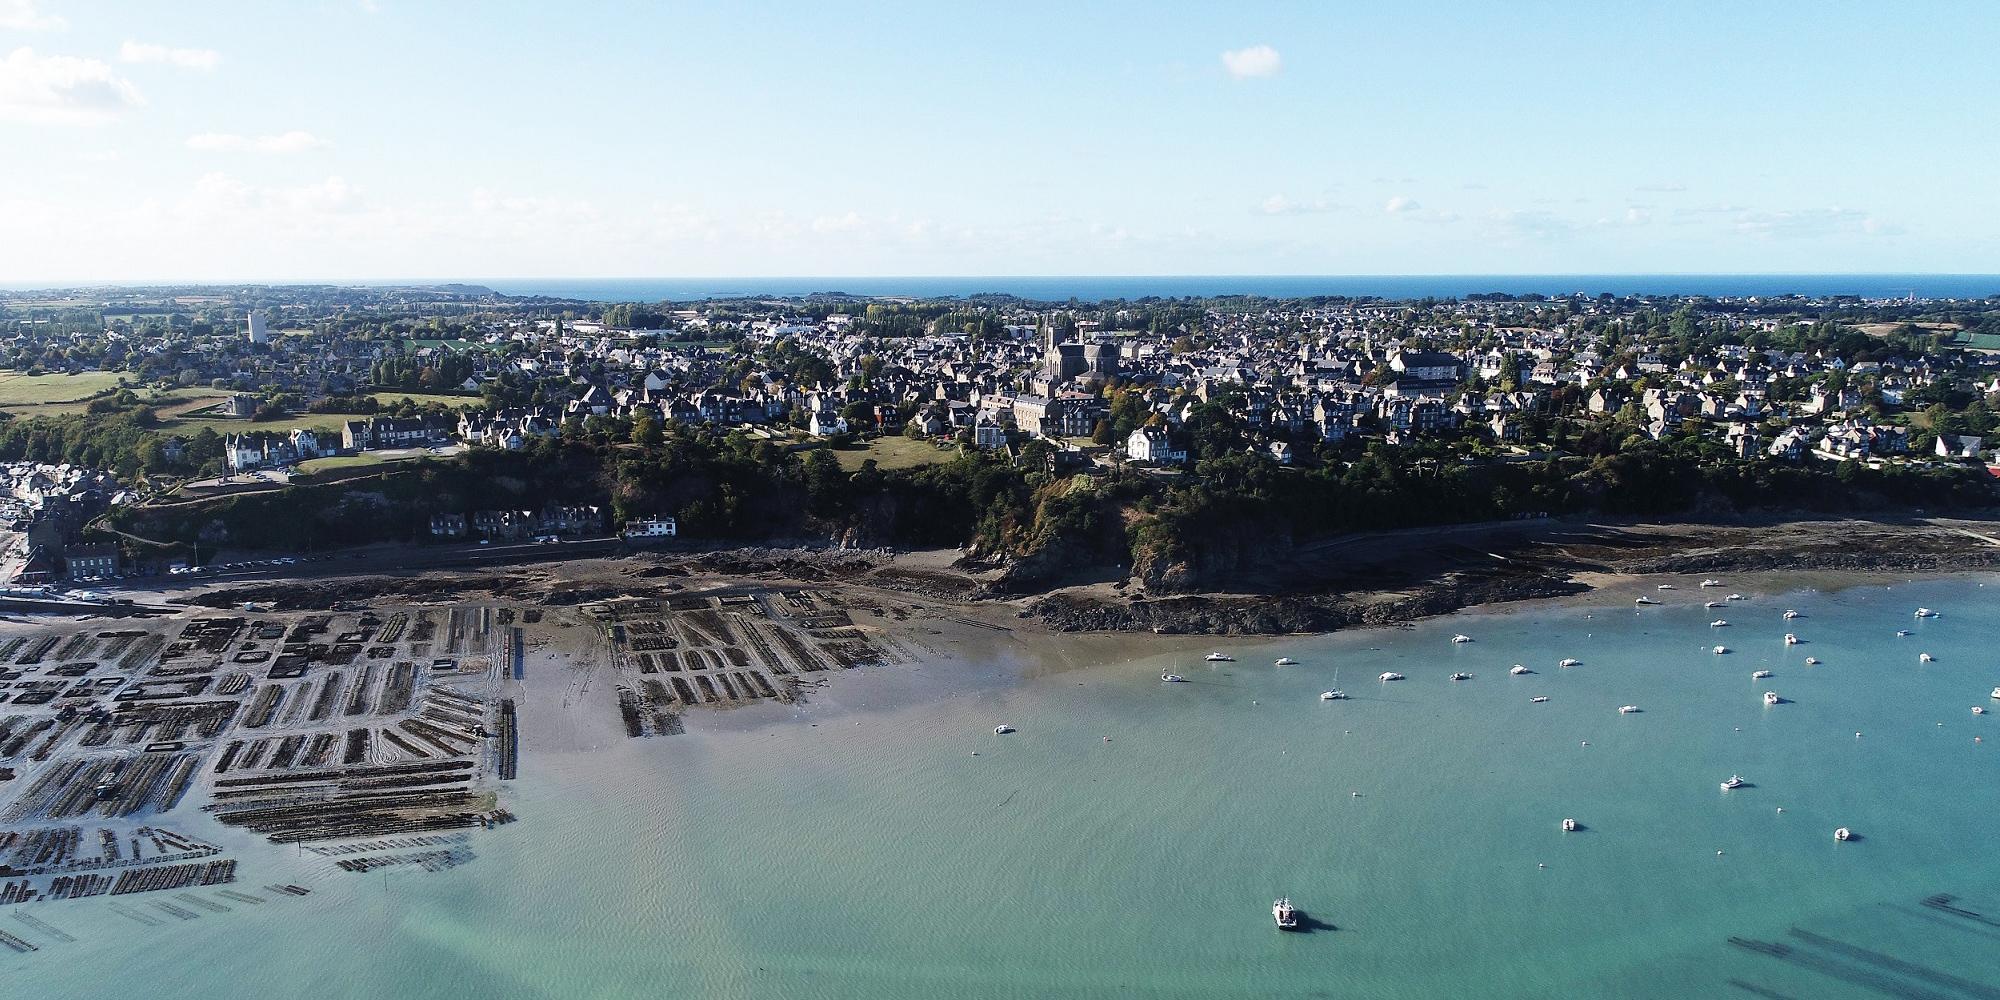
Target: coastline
{"points": [[1362, 581], [887, 777]]}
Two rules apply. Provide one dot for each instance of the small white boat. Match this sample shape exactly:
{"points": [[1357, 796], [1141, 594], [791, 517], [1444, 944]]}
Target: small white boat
{"points": [[1569, 825], [1711, 583], [1664, 586], [1571, 662], [1628, 709], [1901, 632], [1843, 834], [1735, 781], [1461, 638], [1719, 623], [1812, 661], [1538, 699], [1738, 597], [1791, 640], [1926, 658], [1002, 729], [1771, 698], [1285, 661], [1332, 695], [1996, 692], [1391, 675], [1713, 604], [1792, 614], [1979, 709], [1286, 917], [1172, 678], [1759, 675], [1719, 650], [1644, 600], [1461, 676], [1219, 658], [1926, 613], [1518, 670]]}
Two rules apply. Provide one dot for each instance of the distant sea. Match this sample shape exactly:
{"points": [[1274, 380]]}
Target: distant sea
{"points": [[1413, 286]]}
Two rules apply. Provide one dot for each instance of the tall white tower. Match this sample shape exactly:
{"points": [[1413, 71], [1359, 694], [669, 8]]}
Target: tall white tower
{"points": [[258, 334]]}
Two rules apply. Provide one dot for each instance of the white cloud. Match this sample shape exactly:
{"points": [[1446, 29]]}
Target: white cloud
{"points": [[21, 15], [1278, 204], [1809, 223], [1255, 61], [36, 88], [851, 222], [1400, 204], [144, 52], [295, 141]]}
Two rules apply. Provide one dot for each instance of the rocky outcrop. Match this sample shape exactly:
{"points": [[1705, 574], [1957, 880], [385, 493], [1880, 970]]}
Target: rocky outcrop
{"points": [[1289, 613]]}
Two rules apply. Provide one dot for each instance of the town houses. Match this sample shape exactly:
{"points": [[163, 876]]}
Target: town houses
{"points": [[1146, 385]]}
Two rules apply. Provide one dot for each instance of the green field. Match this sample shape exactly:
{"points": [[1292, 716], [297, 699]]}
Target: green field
{"points": [[17, 388], [451, 402], [893, 452], [192, 422], [338, 462]]}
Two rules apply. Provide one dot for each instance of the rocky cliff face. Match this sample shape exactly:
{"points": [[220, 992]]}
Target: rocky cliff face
{"points": [[1213, 560]]}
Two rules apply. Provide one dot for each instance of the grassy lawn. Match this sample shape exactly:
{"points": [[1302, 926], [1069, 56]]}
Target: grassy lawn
{"points": [[893, 452], [421, 398], [334, 462], [189, 423], [17, 388]]}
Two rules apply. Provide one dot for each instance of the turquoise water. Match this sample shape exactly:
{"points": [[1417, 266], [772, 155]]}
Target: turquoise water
{"points": [[856, 851]]}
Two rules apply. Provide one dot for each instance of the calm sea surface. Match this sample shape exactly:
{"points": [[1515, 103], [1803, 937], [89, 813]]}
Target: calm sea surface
{"points": [[857, 847], [1092, 289]]}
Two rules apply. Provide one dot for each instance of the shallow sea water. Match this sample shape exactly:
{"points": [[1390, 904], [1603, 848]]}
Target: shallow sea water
{"points": [[841, 850]]}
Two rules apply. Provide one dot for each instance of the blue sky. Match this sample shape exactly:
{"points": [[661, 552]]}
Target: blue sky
{"points": [[343, 139]]}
